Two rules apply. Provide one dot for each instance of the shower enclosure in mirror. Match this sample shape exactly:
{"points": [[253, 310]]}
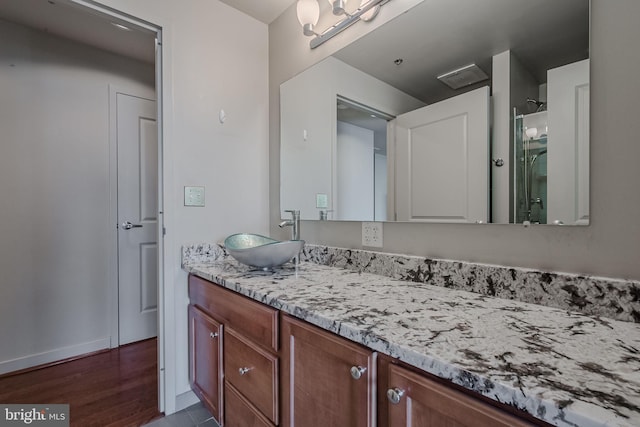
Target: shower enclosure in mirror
{"points": [[510, 146], [551, 151], [530, 161]]}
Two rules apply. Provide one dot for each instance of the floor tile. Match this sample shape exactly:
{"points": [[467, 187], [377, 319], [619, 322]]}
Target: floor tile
{"points": [[199, 413], [195, 415], [180, 419], [209, 423], [160, 422]]}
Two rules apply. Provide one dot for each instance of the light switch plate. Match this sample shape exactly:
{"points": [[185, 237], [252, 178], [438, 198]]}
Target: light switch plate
{"points": [[194, 196], [322, 201], [372, 234]]}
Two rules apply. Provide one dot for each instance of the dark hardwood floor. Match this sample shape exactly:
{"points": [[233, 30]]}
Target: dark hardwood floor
{"points": [[115, 388]]}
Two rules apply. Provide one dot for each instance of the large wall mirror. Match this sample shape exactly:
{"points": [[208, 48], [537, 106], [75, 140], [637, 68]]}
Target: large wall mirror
{"points": [[457, 111]]}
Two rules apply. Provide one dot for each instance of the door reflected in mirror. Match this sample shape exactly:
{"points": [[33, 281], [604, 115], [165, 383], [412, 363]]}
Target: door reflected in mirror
{"points": [[361, 163], [371, 134]]}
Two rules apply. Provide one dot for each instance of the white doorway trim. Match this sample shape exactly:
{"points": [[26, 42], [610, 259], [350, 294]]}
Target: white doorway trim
{"points": [[166, 323]]}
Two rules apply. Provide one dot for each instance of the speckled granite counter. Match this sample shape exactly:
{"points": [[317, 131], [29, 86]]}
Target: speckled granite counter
{"points": [[565, 368]]}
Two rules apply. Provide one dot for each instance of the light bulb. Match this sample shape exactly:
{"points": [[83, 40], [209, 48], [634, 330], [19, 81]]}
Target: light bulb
{"points": [[531, 132], [308, 14], [371, 13]]}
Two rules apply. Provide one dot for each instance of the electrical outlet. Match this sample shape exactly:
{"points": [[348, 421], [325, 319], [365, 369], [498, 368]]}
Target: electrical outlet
{"points": [[372, 234]]}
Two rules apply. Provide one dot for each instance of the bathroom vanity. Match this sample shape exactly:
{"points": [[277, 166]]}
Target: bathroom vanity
{"points": [[326, 379], [318, 345]]}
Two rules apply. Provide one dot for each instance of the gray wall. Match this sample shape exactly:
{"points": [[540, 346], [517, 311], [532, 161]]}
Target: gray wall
{"points": [[54, 187], [609, 246], [214, 58]]}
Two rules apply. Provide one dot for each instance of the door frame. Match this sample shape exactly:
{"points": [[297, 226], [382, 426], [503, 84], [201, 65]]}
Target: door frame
{"points": [[166, 328]]}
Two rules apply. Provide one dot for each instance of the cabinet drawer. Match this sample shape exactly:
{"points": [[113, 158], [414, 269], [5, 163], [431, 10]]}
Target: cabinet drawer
{"points": [[255, 320], [240, 412], [253, 372]]}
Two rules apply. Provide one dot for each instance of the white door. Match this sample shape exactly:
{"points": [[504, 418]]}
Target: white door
{"points": [[137, 156], [568, 144], [442, 161]]}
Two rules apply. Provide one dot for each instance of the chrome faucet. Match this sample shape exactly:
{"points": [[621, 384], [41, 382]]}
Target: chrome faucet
{"points": [[324, 214], [294, 222]]}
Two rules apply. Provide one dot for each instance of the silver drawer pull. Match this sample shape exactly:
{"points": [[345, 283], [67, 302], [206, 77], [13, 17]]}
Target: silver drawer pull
{"points": [[243, 371], [394, 395], [213, 335], [357, 371]]}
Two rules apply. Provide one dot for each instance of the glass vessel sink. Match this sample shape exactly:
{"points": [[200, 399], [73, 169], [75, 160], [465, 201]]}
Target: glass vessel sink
{"points": [[260, 251]]}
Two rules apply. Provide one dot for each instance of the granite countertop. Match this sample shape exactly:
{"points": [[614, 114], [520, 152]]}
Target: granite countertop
{"points": [[565, 368]]}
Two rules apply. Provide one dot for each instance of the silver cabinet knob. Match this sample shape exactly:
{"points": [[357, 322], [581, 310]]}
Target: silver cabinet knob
{"points": [[213, 335], [127, 225], [357, 371], [243, 371], [394, 395]]}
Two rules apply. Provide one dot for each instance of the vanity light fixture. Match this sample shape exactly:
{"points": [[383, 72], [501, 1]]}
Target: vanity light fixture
{"points": [[308, 12], [371, 13], [338, 7]]}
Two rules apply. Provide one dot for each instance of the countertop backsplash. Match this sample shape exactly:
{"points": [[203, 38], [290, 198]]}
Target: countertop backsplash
{"points": [[596, 296]]}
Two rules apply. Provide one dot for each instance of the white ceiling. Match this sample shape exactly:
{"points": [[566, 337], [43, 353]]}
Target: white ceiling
{"points": [[65, 19], [263, 10]]}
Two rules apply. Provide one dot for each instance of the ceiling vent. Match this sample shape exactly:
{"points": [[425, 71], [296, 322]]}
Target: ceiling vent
{"points": [[465, 76]]}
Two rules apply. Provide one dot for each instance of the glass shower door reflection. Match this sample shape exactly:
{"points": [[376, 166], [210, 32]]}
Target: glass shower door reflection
{"points": [[530, 172]]}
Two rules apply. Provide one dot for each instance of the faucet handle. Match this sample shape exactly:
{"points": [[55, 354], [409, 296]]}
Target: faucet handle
{"points": [[324, 214], [294, 213]]}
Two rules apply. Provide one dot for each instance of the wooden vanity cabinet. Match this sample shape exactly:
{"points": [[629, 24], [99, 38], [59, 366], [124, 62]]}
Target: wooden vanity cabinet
{"points": [[244, 413], [407, 398], [238, 380], [205, 351], [316, 378], [326, 380]]}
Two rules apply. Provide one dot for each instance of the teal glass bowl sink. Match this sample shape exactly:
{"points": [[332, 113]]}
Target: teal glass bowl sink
{"points": [[259, 251]]}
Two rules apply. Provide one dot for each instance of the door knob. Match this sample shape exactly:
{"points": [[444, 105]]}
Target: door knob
{"points": [[213, 335], [357, 371], [128, 226], [394, 395]]}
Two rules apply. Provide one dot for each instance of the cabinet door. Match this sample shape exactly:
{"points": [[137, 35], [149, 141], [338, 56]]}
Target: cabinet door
{"points": [[205, 367], [427, 403], [318, 386]]}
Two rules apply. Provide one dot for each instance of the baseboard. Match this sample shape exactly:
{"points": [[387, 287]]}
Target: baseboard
{"points": [[38, 359], [185, 400]]}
